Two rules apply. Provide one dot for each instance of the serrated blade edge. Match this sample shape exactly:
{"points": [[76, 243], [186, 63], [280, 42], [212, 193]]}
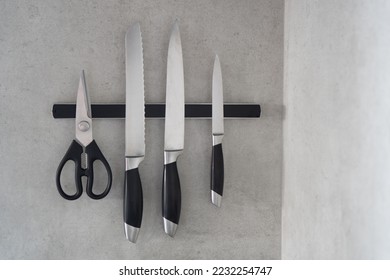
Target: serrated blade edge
{"points": [[135, 94]]}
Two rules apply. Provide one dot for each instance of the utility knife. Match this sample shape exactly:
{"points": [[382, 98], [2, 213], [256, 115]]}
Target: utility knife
{"points": [[217, 168]]}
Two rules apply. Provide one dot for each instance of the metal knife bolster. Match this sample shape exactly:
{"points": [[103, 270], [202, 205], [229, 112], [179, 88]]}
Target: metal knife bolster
{"points": [[133, 162], [217, 139], [171, 156]]}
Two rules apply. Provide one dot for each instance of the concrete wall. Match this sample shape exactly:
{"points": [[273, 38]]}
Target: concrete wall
{"points": [[336, 192], [43, 47]]}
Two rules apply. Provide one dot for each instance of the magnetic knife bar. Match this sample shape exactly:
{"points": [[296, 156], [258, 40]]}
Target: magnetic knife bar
{"points": [[157, 110]]}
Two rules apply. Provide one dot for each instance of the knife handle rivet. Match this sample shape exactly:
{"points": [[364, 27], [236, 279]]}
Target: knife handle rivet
{"points": [[83, 126]]}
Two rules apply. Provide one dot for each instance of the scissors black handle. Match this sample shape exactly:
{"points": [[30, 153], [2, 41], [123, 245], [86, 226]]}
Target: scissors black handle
{"points": [[93, 153], [74, 154]]}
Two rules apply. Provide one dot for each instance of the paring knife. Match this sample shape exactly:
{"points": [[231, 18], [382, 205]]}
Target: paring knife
{"points": [[135, 132], [217, 169], [174, 133]]}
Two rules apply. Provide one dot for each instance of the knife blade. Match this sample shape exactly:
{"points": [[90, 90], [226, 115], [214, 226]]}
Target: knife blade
{"points": [[135, 132], [174, 133], [217, 168]]}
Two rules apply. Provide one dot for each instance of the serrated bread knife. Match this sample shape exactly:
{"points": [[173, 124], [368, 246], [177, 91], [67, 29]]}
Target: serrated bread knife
{"points": [[217, 168], [174, 133], [135, 132]]}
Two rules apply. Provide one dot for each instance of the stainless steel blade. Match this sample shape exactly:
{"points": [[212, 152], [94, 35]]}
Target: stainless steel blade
{"points": [[174, 110], [135, 98], [217, 99], [83, 114]]}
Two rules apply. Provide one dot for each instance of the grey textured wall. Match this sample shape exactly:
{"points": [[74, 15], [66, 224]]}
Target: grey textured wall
{"points": [[43, 47], [336, 135]]}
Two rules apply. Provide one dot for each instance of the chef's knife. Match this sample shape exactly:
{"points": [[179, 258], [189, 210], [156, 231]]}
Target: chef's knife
{"points": [[135, 132], [217, 169], [174, 133]]}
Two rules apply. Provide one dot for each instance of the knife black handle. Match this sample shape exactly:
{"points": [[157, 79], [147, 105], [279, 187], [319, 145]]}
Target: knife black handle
{"points": [[133, 202], [171, 195], [217, 169]]}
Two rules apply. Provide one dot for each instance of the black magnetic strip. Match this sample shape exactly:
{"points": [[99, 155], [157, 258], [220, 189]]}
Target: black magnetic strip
{"points": [[117, 111]]}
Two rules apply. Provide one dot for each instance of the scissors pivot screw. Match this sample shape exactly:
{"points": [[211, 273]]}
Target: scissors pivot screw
{"points": [[83, 126]]}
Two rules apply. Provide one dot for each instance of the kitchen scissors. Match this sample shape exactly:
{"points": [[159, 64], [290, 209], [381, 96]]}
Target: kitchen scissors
{"points": [[83, 146]]}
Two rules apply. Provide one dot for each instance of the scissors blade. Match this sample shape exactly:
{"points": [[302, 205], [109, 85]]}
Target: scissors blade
{"points": [[83, 114]]}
